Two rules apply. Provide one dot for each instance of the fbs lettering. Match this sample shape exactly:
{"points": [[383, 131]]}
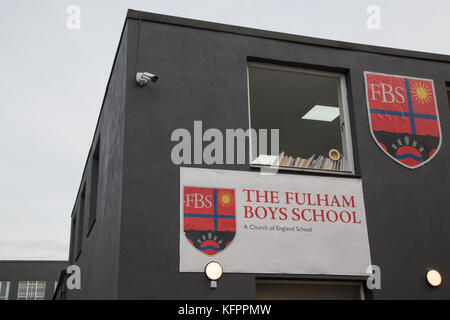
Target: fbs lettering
{"points": [[197, 201], [387, 93]]}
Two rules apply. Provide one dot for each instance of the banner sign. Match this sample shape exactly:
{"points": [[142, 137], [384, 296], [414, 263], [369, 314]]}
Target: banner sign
{"points": [[283, 223], [403, 117]]}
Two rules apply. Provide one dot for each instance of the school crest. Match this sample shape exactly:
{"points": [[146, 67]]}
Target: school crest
{"points": [[403, 117], [209, 217]]}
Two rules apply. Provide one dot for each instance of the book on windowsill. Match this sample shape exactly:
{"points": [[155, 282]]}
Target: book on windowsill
{"points": [[313, 162]]}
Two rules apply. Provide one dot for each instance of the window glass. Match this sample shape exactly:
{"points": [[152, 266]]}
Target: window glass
{"points": [[31, 290], [310, 111], [80, 227], [94, 186], [73, 239], [448, 95], [40, 290], [22, 291], [4, 290]]}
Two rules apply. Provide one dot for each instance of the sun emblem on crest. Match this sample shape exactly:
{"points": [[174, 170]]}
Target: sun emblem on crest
{"points": [[421, 92], [225, 198]]}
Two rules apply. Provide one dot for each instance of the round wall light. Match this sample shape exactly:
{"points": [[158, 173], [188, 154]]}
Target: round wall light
{"points": [[434, 278], [213, 271]]}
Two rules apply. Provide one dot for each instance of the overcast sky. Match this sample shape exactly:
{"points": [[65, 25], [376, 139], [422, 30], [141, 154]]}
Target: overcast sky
{"points": [[52, 82]]}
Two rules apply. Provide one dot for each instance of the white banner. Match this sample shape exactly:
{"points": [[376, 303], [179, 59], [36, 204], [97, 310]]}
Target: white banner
{"points": [[253, 223]]}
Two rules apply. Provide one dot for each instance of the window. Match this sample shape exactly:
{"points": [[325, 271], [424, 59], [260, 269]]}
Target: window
{"points": [[31, 290], [309, 108], [94, 187], [448, 93], [79, 239], [268, 289], [73, 238], [4, 290]]}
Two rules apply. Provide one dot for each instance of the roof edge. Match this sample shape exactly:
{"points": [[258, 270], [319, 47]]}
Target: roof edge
{"points": [[200, 24]]}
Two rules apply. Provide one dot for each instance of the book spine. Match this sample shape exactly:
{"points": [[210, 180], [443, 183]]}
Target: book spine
{"points": [[300, 163], [310, 161], [291, 161], [317, 163]]}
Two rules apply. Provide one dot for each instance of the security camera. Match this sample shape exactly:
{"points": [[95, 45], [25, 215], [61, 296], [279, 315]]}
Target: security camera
{"points": [[143, 77]]}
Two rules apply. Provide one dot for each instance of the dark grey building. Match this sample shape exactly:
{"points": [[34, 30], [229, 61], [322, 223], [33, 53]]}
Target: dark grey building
{"points": [[126, 223], [29, 280]]}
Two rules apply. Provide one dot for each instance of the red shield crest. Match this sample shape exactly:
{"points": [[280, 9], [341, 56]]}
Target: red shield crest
{"points": [[209, 218], [403, 117]]}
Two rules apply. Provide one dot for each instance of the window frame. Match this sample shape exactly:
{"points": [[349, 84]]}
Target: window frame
{"points": [[73, 231], [6, 289], [359, 285], [447, 91], [29, 294], [81, 213], [346, 132], [94, 187]]}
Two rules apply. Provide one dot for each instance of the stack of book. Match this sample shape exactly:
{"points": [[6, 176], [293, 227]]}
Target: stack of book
{"points": [[313, 162]]}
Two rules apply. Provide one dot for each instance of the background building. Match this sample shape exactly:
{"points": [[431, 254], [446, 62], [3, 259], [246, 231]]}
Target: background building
{"points": [[29, 280], [126, 219]]}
